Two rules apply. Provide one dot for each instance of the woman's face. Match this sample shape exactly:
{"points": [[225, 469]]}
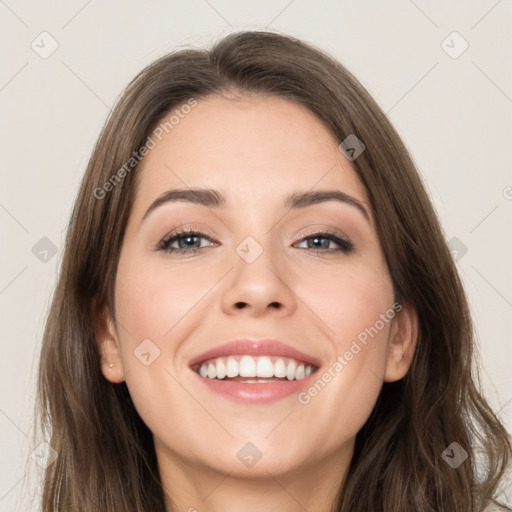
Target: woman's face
{"points": [[261, 271]]}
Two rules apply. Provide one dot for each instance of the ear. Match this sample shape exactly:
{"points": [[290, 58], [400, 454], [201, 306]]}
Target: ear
{"points": [[107, 339], [401, 344]]}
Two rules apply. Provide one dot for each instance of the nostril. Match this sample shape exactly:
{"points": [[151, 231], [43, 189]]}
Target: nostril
{"points": [[240, 305]]}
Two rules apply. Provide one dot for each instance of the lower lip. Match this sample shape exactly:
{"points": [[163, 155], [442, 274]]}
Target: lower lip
{"points": [[262, 393]]}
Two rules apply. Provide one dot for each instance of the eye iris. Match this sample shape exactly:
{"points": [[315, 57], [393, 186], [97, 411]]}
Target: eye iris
{"points": [[187, 239], [324, 244]]}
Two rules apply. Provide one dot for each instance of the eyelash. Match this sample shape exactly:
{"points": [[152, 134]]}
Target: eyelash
{"points": [[345, 246]]}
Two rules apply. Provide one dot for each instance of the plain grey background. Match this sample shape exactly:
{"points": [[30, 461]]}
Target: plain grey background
{"points": [[440, 70]]}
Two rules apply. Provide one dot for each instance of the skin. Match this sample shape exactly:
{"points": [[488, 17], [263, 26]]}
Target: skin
{"points": [[256, 150]]}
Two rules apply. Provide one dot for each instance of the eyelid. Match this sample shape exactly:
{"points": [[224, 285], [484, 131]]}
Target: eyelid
{"points": [[313, 229]]}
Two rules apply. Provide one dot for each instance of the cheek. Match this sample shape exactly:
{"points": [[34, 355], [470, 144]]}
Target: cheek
{"points": [[156, 306], [348, 302], [355, 309], [152, 299], [149, 306]]}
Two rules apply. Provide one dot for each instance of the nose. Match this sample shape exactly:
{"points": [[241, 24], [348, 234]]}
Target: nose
{"points": [[260, 287]]}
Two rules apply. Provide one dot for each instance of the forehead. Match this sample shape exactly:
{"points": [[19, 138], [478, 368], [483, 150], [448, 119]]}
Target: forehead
{"points": [[254, 148]]}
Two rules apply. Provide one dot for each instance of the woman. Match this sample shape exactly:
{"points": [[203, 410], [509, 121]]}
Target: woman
{"points": [[257, 308]]}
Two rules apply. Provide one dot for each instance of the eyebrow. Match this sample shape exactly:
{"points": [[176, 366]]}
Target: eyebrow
{"points": [[214, 199]]}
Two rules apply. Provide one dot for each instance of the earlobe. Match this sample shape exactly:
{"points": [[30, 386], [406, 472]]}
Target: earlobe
{"points": [[107, 340], [401, 344]]}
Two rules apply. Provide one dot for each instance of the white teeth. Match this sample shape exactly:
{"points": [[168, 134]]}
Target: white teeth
{"points": [[290, 373], [280, 369], [232, 367], [247, 367], [264, 368], [212, 371], [221, 369], [261, 367]]}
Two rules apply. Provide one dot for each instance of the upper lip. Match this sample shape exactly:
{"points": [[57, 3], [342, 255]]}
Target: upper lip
{"points": [[251, 347]]}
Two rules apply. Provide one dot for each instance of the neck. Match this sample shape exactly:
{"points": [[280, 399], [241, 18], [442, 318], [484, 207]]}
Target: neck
{"points": [[194, 487]]}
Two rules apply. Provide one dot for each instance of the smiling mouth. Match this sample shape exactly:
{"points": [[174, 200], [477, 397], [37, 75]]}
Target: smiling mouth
{"points": [[254, 369]]}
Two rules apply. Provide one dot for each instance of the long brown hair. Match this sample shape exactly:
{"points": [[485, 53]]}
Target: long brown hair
{"points": [[106, 458]]}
